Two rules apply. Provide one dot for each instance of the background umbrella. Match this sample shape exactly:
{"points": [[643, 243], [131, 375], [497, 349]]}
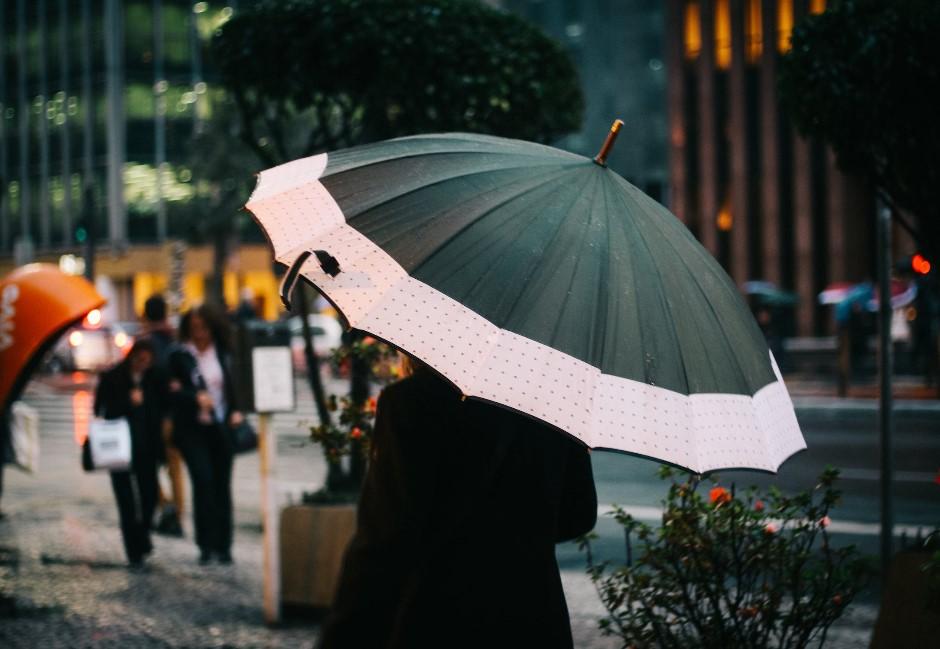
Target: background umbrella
{"points": [[769, 294], [37, 303], [542, 281]]}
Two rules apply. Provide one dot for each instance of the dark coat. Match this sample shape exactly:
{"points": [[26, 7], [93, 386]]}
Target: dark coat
{"points": [[460, 511], [183, 368], [113, 401]]}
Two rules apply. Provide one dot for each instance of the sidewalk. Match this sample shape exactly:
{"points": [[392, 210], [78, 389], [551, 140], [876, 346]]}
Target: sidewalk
{"points": [[63, 582]]}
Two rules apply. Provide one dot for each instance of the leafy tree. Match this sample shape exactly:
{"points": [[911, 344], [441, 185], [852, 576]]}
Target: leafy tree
{"points": [[863, 77], [309, 76], [315, 75]]}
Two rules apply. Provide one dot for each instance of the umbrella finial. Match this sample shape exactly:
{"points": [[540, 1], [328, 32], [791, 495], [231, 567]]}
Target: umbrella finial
{"points": [[601, 157]]}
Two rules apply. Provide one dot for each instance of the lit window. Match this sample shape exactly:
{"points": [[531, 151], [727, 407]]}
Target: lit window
{"points": [[817, 6], [722, 34], [753, 34], [692, 30], [784, 24]]}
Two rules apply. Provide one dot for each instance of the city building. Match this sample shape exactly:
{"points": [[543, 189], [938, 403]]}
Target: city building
{"points": [[617, 47], [767, 203], [99, 100]]}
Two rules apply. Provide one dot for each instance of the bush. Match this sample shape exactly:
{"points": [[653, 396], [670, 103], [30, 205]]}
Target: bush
{"points": [[727, 571]]}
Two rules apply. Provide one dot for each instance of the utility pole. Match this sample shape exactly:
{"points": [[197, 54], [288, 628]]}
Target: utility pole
{"points": [[886, 354]]}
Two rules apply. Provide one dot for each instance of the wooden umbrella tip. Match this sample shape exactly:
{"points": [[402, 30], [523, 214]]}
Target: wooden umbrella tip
{"points": [[601, 157]]}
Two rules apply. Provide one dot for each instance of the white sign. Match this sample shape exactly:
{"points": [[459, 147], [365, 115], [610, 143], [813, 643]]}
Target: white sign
{"points": [[272, 379]]}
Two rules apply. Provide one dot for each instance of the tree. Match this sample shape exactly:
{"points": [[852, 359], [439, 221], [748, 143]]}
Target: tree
{"points": [[862, 77], [312, 76]]}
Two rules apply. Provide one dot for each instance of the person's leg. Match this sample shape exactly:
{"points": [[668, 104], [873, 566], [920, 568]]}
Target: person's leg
{"points": [[199, 464], [174, 467], [222, 461], [146, 474], [123, 489]]}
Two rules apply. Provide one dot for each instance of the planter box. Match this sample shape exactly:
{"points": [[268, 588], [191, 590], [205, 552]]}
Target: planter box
{"points": [[907, 618], [313, 541]]}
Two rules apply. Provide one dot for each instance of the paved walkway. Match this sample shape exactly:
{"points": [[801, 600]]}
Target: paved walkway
{"points": [[63, 582]]}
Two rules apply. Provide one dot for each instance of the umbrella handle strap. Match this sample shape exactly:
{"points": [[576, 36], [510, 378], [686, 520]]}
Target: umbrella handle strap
{"points": [[328, 264]]}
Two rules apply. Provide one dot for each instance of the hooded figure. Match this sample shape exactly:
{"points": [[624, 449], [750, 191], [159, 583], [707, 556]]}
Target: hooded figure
{"points": [[459, 515]]}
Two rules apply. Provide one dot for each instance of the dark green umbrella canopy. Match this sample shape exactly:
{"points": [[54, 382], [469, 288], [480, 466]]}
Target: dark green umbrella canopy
{"points": [[544, 244]]}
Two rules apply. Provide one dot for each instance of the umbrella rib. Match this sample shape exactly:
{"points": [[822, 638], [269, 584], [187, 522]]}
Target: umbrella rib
{"points": [[665, 304], [459, 176], [479, 217], [548, 245], [577, 264], [730, 347], [482, 277]]}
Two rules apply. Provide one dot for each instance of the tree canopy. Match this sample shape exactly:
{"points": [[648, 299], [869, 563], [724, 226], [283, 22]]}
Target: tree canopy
{"points": [[309, 76], [864, 77]]}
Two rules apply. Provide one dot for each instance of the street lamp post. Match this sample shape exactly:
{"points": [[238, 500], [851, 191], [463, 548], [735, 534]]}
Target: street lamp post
{"points": [[886, 364]]}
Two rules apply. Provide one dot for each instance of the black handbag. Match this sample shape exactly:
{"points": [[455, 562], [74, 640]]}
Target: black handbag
{"points": [[244, 438]]}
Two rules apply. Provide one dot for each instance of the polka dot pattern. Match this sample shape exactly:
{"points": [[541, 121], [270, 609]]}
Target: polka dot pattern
{"points": [[701, 432]]}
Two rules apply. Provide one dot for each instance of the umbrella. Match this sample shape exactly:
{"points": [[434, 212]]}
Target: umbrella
{"points": [[770, 294], [37, 303], [539, 280]]}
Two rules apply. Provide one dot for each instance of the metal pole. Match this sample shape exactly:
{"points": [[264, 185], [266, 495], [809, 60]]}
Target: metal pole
{"points": [[159, 116], [23, 123], [45, 226], [65, 131], [4, 177], [271, 560], [114, 85], [886, 364]]}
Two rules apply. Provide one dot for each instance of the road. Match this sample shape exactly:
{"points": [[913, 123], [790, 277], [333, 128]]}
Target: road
{"points": [[841, 433]]}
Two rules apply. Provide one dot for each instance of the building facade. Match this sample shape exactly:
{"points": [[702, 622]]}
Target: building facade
{"points": [[767, 203], [99, 100], [617, 47]]}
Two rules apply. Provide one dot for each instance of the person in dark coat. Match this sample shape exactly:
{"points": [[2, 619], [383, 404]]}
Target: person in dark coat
{"points": [[128, 390], [205, 409], [460, 511]]}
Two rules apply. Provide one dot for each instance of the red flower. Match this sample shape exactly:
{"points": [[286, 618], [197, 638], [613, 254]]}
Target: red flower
{"points": [[759, 506], [771, 529], [370, 404], [355, 433], [825, 521], [837, 599], [368, 340], [719, 495]]}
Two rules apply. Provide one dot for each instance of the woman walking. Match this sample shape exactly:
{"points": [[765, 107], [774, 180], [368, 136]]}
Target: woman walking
{"points": [[460, 511], [205, 409], [129, 391]]}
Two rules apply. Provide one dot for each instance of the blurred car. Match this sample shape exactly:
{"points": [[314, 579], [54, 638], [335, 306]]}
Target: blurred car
{"points": [[90, 346], [327, 336]]}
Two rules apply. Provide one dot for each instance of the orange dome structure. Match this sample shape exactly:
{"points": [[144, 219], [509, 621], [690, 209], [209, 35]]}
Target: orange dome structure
{"points": [[37, 303]]}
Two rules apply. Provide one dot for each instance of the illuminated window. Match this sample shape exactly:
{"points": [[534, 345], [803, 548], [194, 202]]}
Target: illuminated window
{"points": [[753, 35], [817, 6], [693, 30], [724, 221], [784, 24], [722, 34]]}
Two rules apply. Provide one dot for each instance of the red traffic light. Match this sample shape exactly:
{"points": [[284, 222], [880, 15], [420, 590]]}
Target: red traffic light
{"points": [[919, 264]]}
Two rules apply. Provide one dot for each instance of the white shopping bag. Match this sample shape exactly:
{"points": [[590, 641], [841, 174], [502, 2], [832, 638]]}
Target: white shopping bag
{"points": [[24, 436], [109, 441]]}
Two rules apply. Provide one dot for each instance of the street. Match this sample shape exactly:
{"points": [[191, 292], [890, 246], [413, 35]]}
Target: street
{"points": [[61, 553]]}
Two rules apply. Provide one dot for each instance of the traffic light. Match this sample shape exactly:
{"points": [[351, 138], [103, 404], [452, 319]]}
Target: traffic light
{"points": [[919, 264]]}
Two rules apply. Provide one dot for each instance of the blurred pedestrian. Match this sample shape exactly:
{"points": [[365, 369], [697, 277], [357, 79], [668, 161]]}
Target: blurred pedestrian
{"points": [[205, 410], [460, 511], [128, 391], [159, 332]]}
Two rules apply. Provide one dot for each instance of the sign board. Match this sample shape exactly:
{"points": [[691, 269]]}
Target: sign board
{"points": [[272, 375]]}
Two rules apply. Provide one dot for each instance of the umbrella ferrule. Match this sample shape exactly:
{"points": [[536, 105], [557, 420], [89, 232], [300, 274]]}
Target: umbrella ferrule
{"points": [[601, 157]]}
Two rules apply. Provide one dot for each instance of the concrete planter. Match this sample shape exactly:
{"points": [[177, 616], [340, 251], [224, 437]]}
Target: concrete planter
{"points": [[313, 541]]}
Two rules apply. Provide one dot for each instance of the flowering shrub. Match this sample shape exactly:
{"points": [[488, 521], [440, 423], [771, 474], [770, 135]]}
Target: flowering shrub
{"points": [[352, 428], [730, 571]]}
